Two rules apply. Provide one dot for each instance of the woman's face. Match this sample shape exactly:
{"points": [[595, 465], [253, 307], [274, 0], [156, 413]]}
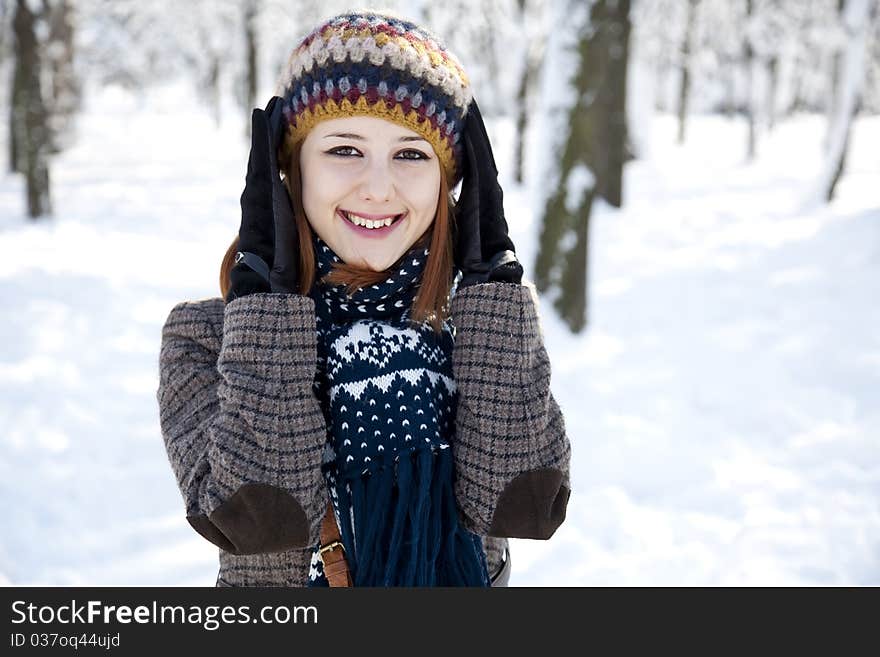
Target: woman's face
{"points": [[376, 169]]}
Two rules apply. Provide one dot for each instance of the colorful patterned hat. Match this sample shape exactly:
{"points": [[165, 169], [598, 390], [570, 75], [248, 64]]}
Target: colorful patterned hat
{"points": [[377, 64]]}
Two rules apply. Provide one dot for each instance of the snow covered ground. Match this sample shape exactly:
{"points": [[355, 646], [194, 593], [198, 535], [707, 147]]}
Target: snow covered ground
{"points": [[722, 405]]}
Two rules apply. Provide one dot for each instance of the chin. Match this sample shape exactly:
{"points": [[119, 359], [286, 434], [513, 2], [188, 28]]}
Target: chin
{"points": [[380, 265], [380, 261]]}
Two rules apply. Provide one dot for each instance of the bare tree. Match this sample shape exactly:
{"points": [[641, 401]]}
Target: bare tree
{"points": [[854, 18], [65, 87], [250, 14], [4, 14], [29, 131], [213, 56], [535, 42], [592, 158], [749, 60], [687, 48]]}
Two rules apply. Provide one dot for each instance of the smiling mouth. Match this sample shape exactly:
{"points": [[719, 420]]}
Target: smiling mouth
{"points": [[378, 228]]}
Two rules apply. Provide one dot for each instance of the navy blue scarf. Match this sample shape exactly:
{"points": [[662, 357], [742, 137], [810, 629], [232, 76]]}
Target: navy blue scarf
{"points": [[386, 386]]}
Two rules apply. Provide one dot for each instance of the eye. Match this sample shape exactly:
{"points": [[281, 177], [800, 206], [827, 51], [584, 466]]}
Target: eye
{"points": [[411, 154], [335, 151], [419, 155]]}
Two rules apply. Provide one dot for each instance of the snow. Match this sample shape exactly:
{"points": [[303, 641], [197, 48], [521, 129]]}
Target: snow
{"points": [[579, 183], [722, 404]]}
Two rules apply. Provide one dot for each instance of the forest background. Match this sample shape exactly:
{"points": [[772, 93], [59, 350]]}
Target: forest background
{"points": [[690, 185]]}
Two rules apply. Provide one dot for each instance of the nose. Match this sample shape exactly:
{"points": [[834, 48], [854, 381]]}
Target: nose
{"points": [[377, 185]]}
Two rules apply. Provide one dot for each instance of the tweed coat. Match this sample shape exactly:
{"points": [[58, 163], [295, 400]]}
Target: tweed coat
{"points": [[244, 432]]}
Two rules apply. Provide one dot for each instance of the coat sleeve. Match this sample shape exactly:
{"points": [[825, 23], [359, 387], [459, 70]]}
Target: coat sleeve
{"points": [[242, 428], [512, 455]]}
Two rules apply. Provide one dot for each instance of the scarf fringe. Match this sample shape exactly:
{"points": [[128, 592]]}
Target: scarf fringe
{"points": [[406, 530]]}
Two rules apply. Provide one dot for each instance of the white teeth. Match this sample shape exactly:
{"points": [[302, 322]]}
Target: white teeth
{"points": [[368, 223]]}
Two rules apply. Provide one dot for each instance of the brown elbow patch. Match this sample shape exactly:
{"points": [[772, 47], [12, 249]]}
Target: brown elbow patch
{"points": [[533, 505], [257, 518], [207, 529]]}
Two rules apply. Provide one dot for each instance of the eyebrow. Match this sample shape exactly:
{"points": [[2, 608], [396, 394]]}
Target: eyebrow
{"points": [[350, 135]]}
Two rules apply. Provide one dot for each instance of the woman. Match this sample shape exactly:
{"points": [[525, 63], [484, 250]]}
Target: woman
{"points": [[370, 396]]}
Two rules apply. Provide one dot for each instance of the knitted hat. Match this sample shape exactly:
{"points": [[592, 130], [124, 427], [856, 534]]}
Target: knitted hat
{"points": [[376, 64]]}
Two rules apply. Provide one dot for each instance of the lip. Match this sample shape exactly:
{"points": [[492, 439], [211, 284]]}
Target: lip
{"points": [[367, 215], [371, 233]]}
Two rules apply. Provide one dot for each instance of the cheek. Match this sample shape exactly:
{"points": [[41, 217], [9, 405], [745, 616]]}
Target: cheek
{"points": [[320, 188], [315, 203], [423, 195], [329, 182]]}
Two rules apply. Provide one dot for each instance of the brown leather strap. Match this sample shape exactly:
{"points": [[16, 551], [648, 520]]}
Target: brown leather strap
{"points": [[331, 551]]}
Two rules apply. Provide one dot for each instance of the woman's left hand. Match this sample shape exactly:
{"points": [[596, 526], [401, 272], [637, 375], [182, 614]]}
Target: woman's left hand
{"points": [[483, 250]]}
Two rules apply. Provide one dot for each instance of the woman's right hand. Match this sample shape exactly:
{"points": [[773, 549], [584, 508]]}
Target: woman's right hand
{"points": [[267, 235]]}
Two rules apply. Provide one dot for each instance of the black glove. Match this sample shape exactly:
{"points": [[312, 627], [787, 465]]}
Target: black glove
{"points": [[268, 231], [483, 250]]}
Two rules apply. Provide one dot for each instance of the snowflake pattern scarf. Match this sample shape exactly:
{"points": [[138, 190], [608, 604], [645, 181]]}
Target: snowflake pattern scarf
{"points": [[388, 394]]}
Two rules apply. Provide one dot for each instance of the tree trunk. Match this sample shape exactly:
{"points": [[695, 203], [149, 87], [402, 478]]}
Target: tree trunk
{"points": [[834, 90], [572, 303], [772, 91], [251, 11], [591, 159], [522, 101], [749, 56], [533, 52], [213, 84], [613, 97], [728, 76], [29, 118], [490, 53], [661, 69], [65, 87], [208, 82], [852, 76], [684, 89], [17, 103], [3, 10]]}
